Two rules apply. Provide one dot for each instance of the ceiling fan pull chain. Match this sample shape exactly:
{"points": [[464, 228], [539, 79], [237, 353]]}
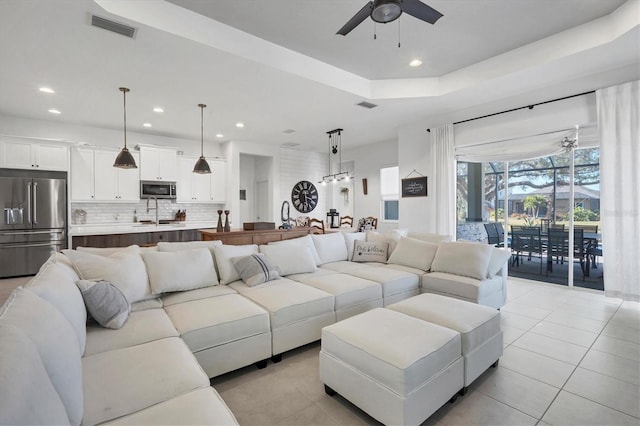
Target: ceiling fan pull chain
{"points": [[398, 34], [375, 36]]}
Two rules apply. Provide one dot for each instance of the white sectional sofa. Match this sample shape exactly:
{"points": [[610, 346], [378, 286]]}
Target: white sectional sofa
{"points": [[190, 315]]}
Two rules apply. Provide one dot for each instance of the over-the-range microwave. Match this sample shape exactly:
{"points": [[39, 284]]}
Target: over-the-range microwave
{"points": [[160, 190]]}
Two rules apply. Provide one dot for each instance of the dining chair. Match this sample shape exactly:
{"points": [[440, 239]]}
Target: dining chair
{"points": [[492, 233], [317, 226], [558, 247], [346, 220], [374, 221], [528, 241]]}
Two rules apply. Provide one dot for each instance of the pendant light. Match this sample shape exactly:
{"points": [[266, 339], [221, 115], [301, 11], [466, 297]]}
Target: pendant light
{"points": [[201, 166], [125, 160]]}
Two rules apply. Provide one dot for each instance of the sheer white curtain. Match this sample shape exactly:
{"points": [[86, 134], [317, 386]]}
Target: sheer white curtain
{"points": [[619, 127], [443, 180]]}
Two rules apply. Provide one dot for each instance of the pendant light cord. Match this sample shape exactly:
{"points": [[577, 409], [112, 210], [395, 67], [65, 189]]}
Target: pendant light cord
{"points": [[124, 91], [202, 107]]}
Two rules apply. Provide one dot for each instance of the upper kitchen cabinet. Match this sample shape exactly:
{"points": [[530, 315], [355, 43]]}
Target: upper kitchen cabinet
{"points": [[19, 154], [158, 164], [93, 177], [218, 181]]}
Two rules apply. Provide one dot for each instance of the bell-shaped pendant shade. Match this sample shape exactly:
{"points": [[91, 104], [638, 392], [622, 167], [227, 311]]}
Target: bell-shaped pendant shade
{"points": [[202, 166], [125, 160]]}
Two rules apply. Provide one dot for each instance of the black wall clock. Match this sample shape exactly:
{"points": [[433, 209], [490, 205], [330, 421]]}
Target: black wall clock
{"points": [[304, 196]]}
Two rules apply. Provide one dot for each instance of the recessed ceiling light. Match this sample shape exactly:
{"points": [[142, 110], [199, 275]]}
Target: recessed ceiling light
{"points": [[415, 63], [158, 109], [47, 90], [54, 111], [146, 124], [219, 135], [239, 124]]}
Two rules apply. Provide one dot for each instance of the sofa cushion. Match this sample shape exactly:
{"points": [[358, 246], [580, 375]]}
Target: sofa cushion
{"points": [[458, 286], [349, 291], [289, 261], [199, 407], [125, 269], [430, 238], [287, 301], [146, 304], [27, 395], [466, 259], [55, 283], [345, 267], [188, 245], [215, 321], [105, 302], [393, 281], [180, 270], [224, 253], [200, 293], [56, 341], [330, 247], [255, 269], [414, 253], [375, 251], [497, 261], [391, 237], [123, 381], [141, 327], [108, 251], [296, 243], [350, 238]]}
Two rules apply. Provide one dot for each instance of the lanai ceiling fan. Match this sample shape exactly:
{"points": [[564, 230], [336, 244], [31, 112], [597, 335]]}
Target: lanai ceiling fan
{"points": [[385, 11]]}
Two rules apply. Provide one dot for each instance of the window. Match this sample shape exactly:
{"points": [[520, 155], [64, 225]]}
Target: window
{"points": [[390, 193]]}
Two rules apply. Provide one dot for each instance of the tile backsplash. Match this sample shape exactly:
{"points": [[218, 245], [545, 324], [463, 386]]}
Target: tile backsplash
{"points": [[100, 213]]}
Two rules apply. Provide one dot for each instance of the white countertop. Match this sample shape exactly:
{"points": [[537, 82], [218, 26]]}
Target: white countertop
{"points": [[132, 228]]}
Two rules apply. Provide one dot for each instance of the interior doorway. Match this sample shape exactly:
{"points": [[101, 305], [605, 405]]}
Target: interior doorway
{"points": [[262, 201]]}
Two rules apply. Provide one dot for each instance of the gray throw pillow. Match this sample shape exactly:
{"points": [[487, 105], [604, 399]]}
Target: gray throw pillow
{"points": [[255, 269], [105, 303]]}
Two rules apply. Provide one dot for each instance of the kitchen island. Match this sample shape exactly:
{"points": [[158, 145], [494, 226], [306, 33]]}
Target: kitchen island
{"points": [[264, 236]]}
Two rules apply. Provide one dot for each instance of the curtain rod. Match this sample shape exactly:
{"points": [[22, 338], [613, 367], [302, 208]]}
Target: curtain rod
{"points": [[523, 107]]}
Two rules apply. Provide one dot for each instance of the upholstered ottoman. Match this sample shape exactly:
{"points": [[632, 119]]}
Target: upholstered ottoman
{"points": [[479, 328], [397, 368]]}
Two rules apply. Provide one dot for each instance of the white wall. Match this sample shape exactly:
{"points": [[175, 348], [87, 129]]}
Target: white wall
{"points": [[297, 165], [368, 160], [247, 182]]}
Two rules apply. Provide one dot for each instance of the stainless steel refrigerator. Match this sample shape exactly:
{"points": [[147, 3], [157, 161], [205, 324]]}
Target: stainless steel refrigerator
{"points": [[34, 219]]}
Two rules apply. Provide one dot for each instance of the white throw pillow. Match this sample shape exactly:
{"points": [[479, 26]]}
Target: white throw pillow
{"points": [[255, 269], [414, 253], [105, 302], [499, 257], [55, 284], [125, 269], [374, 251], [350, 238], [224, 253], [391, 237], [56, 342], [288, 261], [330, 247], [180, 270], [295, 243], [466, 259]]}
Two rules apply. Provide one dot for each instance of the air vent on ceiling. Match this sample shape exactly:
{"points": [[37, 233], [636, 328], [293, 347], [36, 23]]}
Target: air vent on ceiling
{"points": [[113, 26], [289, 145], [288, 131], [367, 105]]}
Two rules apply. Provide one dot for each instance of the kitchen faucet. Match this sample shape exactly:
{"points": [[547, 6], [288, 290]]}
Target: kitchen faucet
{"points": [[154, 208]]}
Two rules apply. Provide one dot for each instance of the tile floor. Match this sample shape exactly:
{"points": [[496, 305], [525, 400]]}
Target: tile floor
{"points": [[572, 357]]}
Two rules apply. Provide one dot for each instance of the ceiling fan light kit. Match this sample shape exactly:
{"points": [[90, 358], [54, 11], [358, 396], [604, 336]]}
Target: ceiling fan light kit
{"points": [[385, 11]]}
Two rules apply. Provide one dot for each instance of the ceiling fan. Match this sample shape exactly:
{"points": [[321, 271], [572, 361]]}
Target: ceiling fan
{"points": [[385, 11]]}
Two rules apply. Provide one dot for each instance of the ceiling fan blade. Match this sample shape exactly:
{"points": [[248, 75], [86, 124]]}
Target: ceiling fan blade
{"points": [[419, 10], [357, 19]]}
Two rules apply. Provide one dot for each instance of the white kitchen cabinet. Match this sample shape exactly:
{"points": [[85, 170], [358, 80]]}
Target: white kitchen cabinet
{"points": [[201, 188], [158, 164], [93, 177], [218, 181], [18, 154], [82, 175]]}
